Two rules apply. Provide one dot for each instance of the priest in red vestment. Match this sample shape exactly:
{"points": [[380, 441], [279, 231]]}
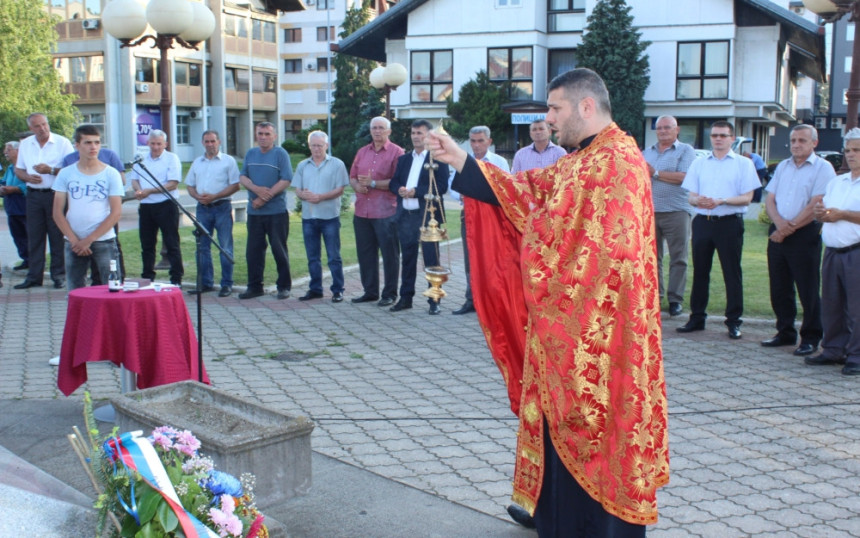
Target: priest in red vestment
{"points": [[568, 301]]}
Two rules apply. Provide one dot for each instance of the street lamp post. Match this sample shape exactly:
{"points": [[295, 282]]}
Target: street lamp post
{"points": [[388, 78], [184, 22]]}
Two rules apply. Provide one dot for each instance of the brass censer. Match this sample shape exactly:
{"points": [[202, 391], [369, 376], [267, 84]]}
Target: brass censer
{"points": [[434, 231]]}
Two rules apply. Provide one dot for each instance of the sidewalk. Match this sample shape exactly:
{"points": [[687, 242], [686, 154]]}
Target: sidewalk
{"points": [[413, 432]]}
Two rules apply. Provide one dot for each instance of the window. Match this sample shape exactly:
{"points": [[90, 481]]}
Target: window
{"points": [[322, 35], [235, 26], [432, 76], [292, 128], [229, 78], [513, 66], [322, 65], [292, 35], [265, 82], [703, 70], [96, 119], [236, 79], [293, 66], [560, 61], [145, 69], [186, 74], [182, 129], [242, 80], [80, 69], [562, 15], [322, 5], [509, 3], [256, 29], [323, 96]]}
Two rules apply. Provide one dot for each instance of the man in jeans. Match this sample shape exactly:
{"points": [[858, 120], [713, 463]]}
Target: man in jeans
{"points": [[319, 182], [94, 193], [212, 180]]}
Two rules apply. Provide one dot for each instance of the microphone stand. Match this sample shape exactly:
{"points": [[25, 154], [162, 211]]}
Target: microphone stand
{"points": [[199, 232]]}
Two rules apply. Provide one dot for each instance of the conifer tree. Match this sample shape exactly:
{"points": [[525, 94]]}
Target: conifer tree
{"points": [[479, 102]]}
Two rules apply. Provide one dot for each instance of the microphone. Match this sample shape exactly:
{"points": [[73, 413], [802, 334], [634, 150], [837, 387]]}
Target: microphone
{"points": [[136, 160]]}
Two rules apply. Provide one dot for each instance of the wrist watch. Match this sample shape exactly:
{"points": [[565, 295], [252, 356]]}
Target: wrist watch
{"points": [[373, 184]]}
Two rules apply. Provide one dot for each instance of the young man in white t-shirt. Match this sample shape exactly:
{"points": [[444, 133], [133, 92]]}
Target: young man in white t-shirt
{"points": [[94, 193]]}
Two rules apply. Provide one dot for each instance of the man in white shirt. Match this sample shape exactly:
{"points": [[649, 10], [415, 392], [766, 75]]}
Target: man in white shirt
{"points": [[212, 179], [156, 211], [39, 161]]}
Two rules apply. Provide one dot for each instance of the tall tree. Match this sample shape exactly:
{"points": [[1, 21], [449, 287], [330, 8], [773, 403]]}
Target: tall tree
{"points": [[351, 90], [28, 81], [612, 48], [479, 102]]}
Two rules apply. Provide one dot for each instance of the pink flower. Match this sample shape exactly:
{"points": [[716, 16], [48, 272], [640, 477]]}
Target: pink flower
{"points": [[187, 443], [161, 440], [226, 522]]}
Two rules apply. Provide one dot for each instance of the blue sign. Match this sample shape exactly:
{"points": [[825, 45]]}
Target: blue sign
{"points": [[526, 119]]}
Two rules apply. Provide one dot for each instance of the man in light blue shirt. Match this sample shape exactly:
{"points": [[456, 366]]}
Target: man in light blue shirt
{"points": [[319, 181], [720, 188]]}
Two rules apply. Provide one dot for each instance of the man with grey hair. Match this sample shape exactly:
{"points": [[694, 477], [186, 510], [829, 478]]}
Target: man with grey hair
{"points": [[14, 192], [839, 211], [668, 161], [157, 211], [39, 161], [319, 181], [212, 180], [375, 214], [794, 248], [479, 142]]}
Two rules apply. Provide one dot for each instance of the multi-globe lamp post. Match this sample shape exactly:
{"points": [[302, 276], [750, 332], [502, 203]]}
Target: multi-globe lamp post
{"points": [[388, 78], [183, 22]]}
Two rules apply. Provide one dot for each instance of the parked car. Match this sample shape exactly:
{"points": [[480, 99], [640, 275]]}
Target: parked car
{"points": [[833, 157]]}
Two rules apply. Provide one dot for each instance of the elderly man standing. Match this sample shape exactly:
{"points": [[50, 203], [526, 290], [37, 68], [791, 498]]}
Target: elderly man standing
{"points": [[720, 188], [212, 179], [839, 211], [14, 193], [157, 212], [540, 153], [479, 142], [319, 181], [375, 213], [39, 161], [794, 249], [266, 173], [668, 161]]}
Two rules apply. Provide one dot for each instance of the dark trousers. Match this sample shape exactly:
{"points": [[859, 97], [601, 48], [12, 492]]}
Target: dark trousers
{"points": [[40, 224], [372, 237], [840, 297], [95, 272], [726, 236], [328, 231], [465, 255], [796, 263], [275, 229], [408, 232], [163, 216], [565, 510], [18, 230]]}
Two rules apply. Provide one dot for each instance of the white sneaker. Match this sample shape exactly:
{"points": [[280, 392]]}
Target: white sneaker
{"points": [[55, 361]]}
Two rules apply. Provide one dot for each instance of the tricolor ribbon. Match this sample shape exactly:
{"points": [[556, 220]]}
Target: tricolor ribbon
{"points": [[136, 452]]}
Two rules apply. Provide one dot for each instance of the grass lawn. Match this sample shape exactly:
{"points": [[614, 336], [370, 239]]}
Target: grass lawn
{"points": [[295, 244]]}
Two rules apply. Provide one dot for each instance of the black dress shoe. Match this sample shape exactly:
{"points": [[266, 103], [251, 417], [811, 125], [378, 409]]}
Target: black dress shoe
{"points": [[675, 309], [851, 369], [735, 332], [250, 294], [804, 349], [22, 265], [521, 516], [337, 297], [310, 295], [225, 291], [778, 341], [59, 284], [27, 284], [822, 360], [386, 301], [204, 289], [365, 299], [435, 309], [283, 294], [401, 305], [691, 326], [467, 307]]}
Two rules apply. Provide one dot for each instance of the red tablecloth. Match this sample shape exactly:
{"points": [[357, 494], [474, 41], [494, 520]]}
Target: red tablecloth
{"points": [[148, 332]]}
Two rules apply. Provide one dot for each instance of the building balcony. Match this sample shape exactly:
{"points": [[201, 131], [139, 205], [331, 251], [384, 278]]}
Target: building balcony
{"points": [[87, 92], [73, 30]]}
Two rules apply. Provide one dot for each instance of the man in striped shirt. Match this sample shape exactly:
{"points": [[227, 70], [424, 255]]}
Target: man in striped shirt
{"points": [[540, 153]]}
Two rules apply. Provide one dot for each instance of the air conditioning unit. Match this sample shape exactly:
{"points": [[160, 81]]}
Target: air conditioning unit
{"points": [[141, 87], [310, 67], [90, 24], [196, 114], [836, 123], [821, 123]]}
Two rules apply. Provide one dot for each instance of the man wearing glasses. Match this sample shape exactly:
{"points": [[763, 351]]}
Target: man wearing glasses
{"points": [[720, 189]]}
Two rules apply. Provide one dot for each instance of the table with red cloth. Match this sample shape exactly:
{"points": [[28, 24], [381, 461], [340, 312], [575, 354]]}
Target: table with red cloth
{"points": [[147, 332]]}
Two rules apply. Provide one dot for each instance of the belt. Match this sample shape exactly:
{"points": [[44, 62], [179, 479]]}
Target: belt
{"points": [[722, 217], [843, 250], [33, 189], [217, 203]]}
